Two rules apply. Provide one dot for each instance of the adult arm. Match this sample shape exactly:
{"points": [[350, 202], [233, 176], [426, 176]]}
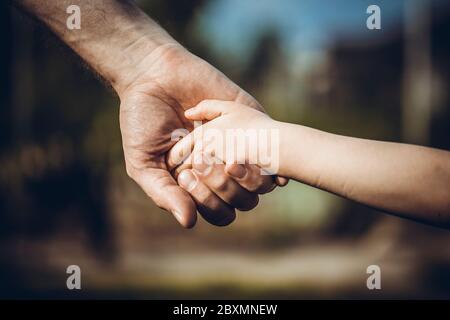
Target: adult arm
{"points": [[156, 80]]}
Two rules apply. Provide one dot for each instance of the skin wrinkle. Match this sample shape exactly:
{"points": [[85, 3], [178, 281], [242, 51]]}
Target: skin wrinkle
{"points": [[165, 98], [141, 79]]}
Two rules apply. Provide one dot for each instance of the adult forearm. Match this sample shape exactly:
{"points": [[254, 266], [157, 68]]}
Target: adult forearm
{"points": [[408, 180], [116, 38]]}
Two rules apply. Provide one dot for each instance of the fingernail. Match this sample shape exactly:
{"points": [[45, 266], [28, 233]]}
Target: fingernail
{"points": [[237, 171], [187, 180]]}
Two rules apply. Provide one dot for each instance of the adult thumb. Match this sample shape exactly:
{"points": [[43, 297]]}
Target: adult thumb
{"points": [[160, 186]]}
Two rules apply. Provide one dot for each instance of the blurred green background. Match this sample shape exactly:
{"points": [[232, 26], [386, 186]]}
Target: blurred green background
{"points": [[65, 197]]}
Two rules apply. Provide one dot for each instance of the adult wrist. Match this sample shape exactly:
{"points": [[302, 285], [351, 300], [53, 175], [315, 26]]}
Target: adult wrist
{"points": [[141, 63]]}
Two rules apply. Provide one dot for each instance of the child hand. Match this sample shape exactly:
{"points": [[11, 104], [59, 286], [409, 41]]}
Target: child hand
{"points": [[233, 185], [235, 135]]}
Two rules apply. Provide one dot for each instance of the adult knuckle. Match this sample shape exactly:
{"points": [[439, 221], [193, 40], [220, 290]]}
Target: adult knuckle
{"points": [[267, 184], [220, 183], [207, 199], [253, 185]]}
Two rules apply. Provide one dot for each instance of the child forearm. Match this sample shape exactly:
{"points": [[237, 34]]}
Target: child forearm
{"points": [[410, 181], [407, 180]]}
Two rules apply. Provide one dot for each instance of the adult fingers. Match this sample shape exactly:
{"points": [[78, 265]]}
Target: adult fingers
{"points": [[251, 177], [160, 186], [224, 186], [211, 207]]}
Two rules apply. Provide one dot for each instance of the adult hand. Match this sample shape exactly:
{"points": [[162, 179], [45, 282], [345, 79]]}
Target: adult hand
{"points": [[152, 108], [156, 80]]}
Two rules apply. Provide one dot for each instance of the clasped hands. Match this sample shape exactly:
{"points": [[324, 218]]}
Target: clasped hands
{"points": [[153, 107]]}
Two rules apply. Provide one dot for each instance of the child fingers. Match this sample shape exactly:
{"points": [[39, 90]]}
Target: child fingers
{"points": [[180, 153], [201, 139], [187, 151], [208, 110], [187, 164]]}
